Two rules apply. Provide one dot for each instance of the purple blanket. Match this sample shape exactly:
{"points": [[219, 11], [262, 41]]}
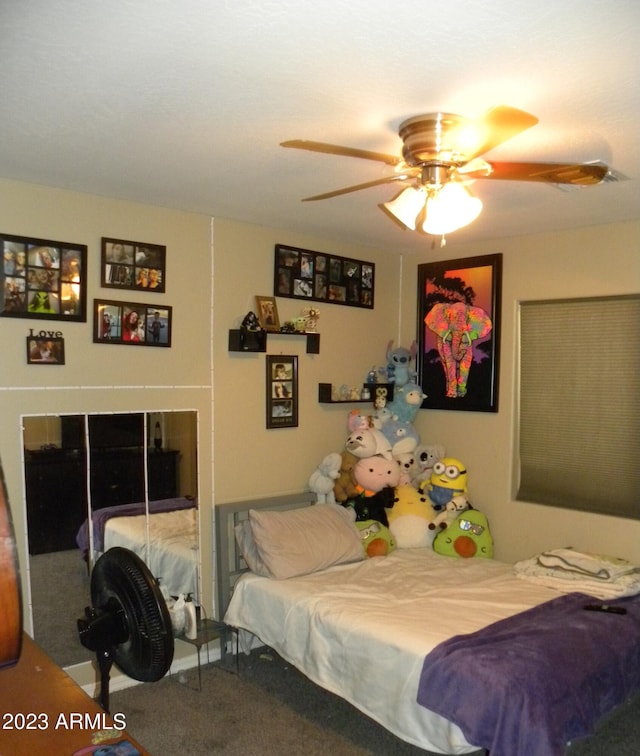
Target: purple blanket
{"points": [[528, 684], [101, 516]]}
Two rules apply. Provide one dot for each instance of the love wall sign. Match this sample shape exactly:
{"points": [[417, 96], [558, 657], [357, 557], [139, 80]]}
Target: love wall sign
{"points": [[45, 347]]}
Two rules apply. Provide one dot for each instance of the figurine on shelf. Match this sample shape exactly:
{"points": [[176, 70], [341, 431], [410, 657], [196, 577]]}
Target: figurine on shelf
{"points": [[252, 335], [311, 315]]}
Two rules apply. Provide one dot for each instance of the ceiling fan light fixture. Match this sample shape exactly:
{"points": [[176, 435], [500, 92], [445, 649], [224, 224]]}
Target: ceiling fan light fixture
{"points": [[407, 205], [450, 208]]}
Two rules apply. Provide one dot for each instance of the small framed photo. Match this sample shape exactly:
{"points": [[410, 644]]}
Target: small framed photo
{"points": [[133, 265], [268, 313], [131, 323], [282, 391], [45, 350], [43, 279]]}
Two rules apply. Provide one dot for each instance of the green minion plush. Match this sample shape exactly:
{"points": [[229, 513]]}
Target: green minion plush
{"points": [[467, 536]]}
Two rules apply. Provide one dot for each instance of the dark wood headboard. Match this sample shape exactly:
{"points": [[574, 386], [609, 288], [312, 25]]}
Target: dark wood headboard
{"points": [[229, 563]]}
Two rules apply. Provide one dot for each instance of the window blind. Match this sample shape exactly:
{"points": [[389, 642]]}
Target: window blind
{"points": [[579, 419]]}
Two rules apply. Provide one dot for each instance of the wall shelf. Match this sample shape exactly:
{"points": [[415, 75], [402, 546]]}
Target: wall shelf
{"points": [[257, 342], [325, 391]]}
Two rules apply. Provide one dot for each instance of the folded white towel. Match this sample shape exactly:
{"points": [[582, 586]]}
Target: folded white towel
{"points": [[569, 570]]}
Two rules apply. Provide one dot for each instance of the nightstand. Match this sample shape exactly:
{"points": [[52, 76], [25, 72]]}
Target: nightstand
{"points": [[209, 630]]}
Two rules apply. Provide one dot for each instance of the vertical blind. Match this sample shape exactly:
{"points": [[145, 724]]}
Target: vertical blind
{"points": [[579, 419]]}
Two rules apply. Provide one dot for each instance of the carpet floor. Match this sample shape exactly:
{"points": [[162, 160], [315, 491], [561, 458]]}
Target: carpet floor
{"points": [[270, 708]]}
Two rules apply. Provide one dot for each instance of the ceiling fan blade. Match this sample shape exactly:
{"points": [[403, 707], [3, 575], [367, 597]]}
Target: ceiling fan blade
{"points": [[336, 149], [578, 174], [358, 187], [499, 124]]}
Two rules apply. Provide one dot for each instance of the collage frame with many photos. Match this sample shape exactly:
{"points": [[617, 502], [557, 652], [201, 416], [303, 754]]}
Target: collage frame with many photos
{"points": [[133, 265], [131, 323], [321, 277], [43, 279]]}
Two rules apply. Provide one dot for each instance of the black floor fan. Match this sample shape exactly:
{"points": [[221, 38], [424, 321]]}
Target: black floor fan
{"points": [[128, 622]]}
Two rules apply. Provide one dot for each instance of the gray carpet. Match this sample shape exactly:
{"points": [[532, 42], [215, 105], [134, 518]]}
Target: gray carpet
{"points": [[59, 592], [270, 708]]}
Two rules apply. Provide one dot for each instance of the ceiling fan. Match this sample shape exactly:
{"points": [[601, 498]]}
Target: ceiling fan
{"points": [[442, 155]]}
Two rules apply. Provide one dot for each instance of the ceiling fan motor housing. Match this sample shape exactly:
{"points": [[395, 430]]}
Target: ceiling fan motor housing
{"points": [[435, 138]]}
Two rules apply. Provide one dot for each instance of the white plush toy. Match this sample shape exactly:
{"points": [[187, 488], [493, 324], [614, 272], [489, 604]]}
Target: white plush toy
{"points": [[367, 443], [323, 478], [451, 510]]}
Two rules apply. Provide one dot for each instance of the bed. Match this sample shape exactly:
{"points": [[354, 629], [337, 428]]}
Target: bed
{"points": [[403, 638], [169, 545]]}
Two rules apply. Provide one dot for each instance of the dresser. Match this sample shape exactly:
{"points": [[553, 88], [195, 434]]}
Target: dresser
{"points": [[56, 487]]}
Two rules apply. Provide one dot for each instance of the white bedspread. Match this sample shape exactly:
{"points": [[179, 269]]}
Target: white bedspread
{"points": [[362, 631], [172, 552]]}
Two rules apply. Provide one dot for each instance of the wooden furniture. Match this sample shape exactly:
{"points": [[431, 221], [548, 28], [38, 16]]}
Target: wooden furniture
{"points": [[44, 711], [10, 595]]}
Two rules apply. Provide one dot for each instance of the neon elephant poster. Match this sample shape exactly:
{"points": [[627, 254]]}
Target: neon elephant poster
{"points": [[459, 333]]}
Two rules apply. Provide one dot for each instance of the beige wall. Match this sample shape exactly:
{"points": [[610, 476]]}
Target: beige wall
{"points": [[250, 460], [107, 378], [588, 262], [239, 458]]}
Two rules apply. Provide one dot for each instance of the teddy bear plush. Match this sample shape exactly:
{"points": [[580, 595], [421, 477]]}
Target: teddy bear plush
{"points": [[451, 510], [376, 538], [406, 402], [323, 478], [448, 479], [399, 361], [468, 536], [426, 456], [376, 478], [407, 464], [401, 436], [368, 442], [410, 517], [344, 486]]}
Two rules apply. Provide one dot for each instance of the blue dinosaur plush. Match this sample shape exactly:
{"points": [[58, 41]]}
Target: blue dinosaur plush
{"points": [[399, 361], [406, 402]]}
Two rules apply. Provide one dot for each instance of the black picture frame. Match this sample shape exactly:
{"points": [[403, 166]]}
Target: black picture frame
{"points": [[45, 350], [113, 323], [43, 279], [282, 391], [457, 301], [322, 277], [133, 265]]}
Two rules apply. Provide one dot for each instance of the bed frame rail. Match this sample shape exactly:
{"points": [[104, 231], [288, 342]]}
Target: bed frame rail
{"points": [[229, 563]]}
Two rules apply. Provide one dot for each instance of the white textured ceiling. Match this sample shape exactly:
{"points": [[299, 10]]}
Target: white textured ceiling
{"points": [[183, 103]]}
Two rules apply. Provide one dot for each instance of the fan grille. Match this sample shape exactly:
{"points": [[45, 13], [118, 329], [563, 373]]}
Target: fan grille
{"points": [[121, 576]]}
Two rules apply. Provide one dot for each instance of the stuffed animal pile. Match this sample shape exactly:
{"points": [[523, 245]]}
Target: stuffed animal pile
{"points": [[411, 491]]}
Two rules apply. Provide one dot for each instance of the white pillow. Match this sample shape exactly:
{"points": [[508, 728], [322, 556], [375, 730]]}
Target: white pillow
{"points": [[283, 544]]}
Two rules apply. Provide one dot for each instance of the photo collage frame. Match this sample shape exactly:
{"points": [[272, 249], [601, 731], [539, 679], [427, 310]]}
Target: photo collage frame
{"points": [[321, 277], [132, 323], [43, 279]]}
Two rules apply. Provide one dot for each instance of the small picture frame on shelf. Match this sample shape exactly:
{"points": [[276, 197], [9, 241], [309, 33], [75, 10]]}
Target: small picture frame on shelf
{"points": [[282, 391], [45, 350], [268, 313]]}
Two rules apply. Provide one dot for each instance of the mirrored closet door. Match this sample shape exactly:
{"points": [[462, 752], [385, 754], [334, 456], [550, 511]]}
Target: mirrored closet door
{"points": [[93, 481]]}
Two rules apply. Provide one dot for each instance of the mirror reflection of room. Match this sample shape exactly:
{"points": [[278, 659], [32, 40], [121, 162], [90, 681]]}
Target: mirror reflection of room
{"points": [[102, 480]]}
